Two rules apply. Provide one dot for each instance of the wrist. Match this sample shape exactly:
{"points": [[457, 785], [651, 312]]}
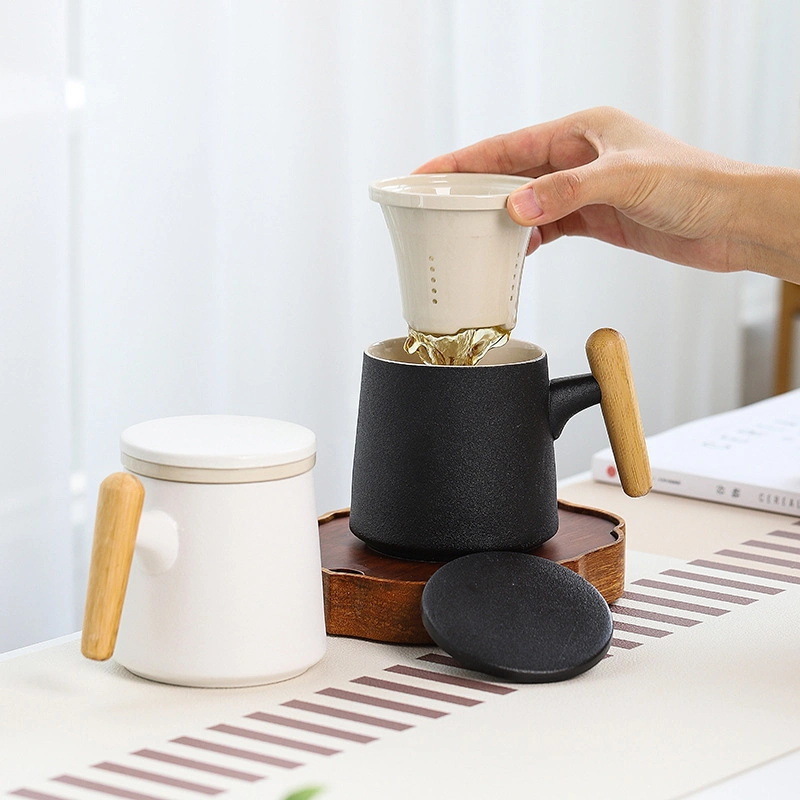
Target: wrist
{"points": [[766, 222]]}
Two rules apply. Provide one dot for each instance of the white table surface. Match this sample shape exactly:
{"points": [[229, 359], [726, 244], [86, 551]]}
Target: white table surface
{"points": [[708, 707]]}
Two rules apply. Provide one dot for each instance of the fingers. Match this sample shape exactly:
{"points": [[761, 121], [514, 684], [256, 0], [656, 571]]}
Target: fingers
{"points": [[445, 163], [591, 157], [549, 198], [535, 150], [523, 152], [558, 194], [535, 240], [523, 206], [491, 155]]}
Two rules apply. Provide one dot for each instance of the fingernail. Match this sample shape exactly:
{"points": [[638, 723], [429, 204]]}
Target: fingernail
{"points": [[524, 204]]}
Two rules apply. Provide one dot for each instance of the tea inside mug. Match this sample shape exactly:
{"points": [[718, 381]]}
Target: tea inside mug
{"points": [[515, 351], [465, 348]]}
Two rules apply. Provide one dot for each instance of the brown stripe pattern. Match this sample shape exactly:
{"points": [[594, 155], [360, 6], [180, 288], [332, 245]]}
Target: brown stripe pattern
{"points": [[705, 588], [213, 764], [292, 735]]}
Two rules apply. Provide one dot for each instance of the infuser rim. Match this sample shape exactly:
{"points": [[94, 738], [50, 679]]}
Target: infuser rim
{"points": [[453, 191]]}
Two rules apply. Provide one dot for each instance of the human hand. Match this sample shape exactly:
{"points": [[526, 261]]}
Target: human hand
{"points": [[605, 174]]}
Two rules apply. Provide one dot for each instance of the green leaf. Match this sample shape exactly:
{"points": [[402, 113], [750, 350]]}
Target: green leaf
{"points": [[304, 794]]}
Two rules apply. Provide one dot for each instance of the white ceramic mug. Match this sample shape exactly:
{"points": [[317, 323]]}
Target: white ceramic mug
{"points": [[215, 523]]}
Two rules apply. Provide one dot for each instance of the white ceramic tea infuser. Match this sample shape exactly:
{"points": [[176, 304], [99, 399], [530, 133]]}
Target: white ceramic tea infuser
{"points": [[459, 254]]}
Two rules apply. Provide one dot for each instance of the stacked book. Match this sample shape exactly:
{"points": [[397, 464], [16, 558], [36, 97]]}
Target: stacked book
{"points": [[748, 457]]}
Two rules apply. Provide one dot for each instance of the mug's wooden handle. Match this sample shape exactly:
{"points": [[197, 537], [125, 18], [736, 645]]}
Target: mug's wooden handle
{"points": [[608, 360], [119, 507]]}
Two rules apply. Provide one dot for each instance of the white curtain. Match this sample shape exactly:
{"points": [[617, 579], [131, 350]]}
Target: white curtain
{"points": [[194, 235], [36, 546]]}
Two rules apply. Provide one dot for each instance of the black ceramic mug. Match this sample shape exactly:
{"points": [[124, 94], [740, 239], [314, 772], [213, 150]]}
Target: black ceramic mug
{"points": [[451, 460]]}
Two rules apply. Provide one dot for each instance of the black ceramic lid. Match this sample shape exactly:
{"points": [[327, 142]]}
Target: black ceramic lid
{"points": [[516, 616]]}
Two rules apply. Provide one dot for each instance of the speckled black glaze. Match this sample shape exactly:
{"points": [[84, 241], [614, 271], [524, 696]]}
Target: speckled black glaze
{"points": [[516, 616], [455, 460]]}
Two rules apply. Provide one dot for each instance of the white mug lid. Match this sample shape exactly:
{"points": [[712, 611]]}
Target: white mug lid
{"points": [[218, 449]]}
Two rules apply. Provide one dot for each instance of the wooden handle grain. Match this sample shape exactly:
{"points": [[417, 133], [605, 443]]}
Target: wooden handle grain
{"points": [[608, 360], [119, 507]]}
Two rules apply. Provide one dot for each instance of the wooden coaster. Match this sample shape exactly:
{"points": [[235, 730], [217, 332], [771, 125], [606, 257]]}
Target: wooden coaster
{"points": [[372, 596]]}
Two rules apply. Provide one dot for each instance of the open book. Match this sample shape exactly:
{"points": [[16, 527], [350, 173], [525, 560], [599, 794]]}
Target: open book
{"points": [[747, 457]]}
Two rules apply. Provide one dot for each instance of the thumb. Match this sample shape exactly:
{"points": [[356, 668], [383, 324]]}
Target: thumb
{"points": [[558, 194]]}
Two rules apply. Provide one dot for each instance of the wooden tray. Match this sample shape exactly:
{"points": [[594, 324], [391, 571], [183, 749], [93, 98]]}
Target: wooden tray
{"points": [[372, 596]]}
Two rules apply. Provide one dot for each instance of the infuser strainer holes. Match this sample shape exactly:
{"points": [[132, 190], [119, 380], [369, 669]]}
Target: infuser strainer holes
{"points": [[514, 279], [433, 280]]}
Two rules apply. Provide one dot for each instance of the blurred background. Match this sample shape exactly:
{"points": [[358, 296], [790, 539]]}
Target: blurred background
{"points": [[185, 227]]}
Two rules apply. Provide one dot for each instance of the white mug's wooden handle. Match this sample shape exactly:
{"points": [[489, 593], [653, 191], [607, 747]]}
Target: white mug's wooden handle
{"points": [[608, 360], [119, 507]]}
